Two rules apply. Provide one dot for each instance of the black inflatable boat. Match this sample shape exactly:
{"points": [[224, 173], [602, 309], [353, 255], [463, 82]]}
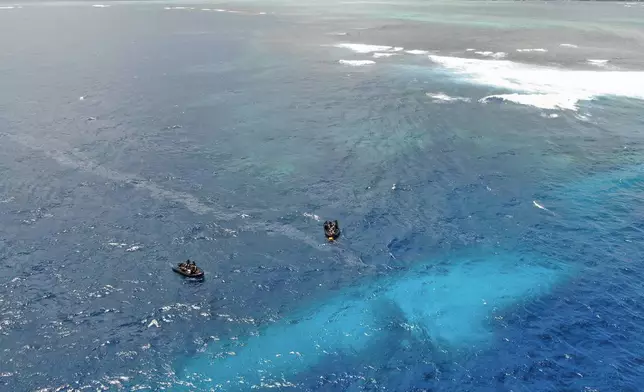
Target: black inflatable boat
{"points": [[331, 230], [182, 269]]}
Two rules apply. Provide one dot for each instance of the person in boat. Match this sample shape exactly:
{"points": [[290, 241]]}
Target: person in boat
{"points": [[188, 266], [192, 267]]}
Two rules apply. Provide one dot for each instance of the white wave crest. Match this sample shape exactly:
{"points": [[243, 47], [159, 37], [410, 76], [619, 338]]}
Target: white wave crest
{"points": [[543, 101], [357, 63], [416, 51], [546, 84], [8, 7], [364, 48], [101, 6], [568, 45], [379, 55], [442, 97], [532, 50], [494, 55], [598, 63], [470, 49]]}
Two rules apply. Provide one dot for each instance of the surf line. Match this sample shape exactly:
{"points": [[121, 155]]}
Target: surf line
{"points": [[61, 153]]}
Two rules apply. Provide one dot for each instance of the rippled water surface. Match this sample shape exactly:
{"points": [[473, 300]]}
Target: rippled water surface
{"points": [[484, 161]]}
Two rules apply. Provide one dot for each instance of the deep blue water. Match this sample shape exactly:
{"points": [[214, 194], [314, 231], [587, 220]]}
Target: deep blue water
{"points": [[134, 137]]}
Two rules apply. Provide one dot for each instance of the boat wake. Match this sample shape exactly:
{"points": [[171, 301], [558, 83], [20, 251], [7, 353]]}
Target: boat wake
{"points": [[65, 156]]}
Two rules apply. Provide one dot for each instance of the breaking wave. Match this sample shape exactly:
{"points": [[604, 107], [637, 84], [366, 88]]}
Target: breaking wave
{"points": [[442, 97], [532, 50], [494, 55], [543, 87], [598, 63], [542, 101], [357, 63], [379, 55], [365, 48]]}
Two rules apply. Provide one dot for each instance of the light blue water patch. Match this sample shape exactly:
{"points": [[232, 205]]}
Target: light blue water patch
{"points": [[450, 304], [609, 183], [612, 195]]}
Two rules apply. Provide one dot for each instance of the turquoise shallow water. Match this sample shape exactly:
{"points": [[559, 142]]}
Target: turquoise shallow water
{"points": [[487, 246]]}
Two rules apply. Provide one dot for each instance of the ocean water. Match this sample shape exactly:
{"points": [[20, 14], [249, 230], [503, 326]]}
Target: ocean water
{"points": [[484, 160]]}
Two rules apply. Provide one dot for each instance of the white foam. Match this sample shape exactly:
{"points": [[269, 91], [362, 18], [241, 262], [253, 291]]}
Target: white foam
{"points": [[8, 7], [494, 55], [417, 51], [582, 117], [532, 50], [598, 63], [357, 63], [551, 115], [101, 6], [543, 101], [379, 55], [442, 97], [568, 45], [364, 48], [312, 216], [470, 49], [339, 34], [541, 86]]}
